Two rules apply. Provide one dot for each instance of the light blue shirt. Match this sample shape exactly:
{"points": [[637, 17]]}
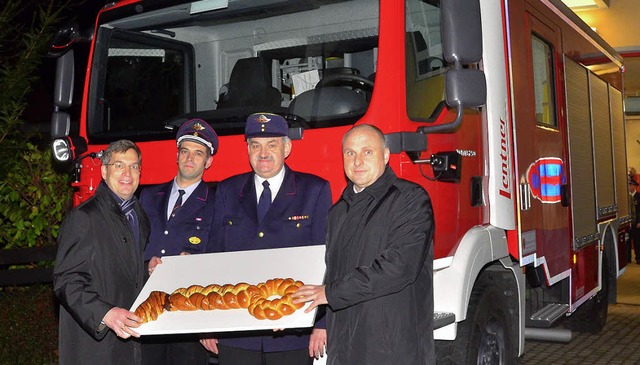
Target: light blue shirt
{"points": [[174, 195]]}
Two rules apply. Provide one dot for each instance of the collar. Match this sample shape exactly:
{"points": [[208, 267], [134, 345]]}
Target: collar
{"points": [[274, 183], [187, 191], [376, 190], [121, 202], [104, 189]]}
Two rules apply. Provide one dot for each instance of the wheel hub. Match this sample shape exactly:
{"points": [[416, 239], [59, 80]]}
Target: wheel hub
{"points": [[491, 351]]}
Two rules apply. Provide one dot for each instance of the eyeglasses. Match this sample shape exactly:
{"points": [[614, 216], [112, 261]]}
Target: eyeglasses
{"points": [[121, 167]]}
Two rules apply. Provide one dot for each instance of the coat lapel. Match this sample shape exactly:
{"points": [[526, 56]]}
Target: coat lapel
{"points": [[285, 196], [196, 201], [122, 235], [161, 200], [248, 199]]}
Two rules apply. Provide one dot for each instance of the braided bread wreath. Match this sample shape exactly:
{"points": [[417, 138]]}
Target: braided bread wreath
{"points": [[254, 298]]}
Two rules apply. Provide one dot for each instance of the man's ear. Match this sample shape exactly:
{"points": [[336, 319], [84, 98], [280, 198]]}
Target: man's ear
{"points": [[386, 155], [208, 163], [103, 172], [287, 148]]}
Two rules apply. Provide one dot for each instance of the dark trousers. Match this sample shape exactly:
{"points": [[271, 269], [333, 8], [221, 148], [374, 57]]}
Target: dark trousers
{"points": [[634, 235], [173, 350], [236, 356]]}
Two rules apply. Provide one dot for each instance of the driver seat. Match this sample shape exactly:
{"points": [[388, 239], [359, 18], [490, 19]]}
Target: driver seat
{"points": [[250, 85], [326, 103]]}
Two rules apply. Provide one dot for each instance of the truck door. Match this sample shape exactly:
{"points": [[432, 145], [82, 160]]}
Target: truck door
{"points": [[540, 143]]}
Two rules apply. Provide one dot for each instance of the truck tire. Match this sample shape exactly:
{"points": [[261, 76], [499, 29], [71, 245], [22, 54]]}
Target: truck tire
{"points": [[489, 333], [591, 317]]}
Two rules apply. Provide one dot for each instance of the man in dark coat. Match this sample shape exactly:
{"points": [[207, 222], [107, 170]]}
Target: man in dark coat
{"points": [[379, 279], [295, 215], [634, 208], [181, 215], [99, 268]]}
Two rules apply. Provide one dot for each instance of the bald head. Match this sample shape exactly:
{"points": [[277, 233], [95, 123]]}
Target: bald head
{"points": [[370, 127], [364, 155]]}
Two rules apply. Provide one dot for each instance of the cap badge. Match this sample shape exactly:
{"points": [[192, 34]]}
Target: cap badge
{"points": [[263, 119], [198, 127]]}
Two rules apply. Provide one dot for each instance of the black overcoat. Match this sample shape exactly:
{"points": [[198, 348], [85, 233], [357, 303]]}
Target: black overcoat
{"points": [[99, 266], [380, 275]]}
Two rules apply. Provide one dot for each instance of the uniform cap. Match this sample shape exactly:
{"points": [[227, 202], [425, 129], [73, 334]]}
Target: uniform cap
{"points": [[199, 131], [265, 125]]}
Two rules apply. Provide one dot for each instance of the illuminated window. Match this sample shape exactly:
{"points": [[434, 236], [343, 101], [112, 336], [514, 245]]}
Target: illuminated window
{"points": [[544, 90], [425, 64]]}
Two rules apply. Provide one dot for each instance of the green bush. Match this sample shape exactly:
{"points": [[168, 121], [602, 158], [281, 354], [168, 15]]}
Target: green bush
{"points": [[29, 330], [33, 201], [23, 47], [33, 198]]}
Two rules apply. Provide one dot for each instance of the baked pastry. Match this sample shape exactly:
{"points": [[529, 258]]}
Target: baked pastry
{"points": [[262, 307], [151, 308], [257, 299]]}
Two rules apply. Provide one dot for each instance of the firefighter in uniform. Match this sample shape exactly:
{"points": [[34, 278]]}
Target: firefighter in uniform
{"points": [[270, 207], [181, 215]]}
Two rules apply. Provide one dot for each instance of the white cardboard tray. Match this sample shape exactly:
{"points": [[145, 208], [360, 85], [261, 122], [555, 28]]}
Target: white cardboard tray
{"points": [[300, 263]]}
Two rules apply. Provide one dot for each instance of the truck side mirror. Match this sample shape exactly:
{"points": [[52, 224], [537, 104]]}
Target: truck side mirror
{"points": [[62, 95], [63, 91], [461, 31], [64, 38], [465, 87]]}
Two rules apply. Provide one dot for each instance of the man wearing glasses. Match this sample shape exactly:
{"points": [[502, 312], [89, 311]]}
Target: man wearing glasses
{"points": [[181, 215], [99, 268]]}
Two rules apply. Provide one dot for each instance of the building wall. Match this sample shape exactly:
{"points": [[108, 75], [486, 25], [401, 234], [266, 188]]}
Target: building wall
{"points": [[619, 25], [633, 143]]}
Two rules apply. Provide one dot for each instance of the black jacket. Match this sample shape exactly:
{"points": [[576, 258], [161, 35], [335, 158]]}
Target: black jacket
{"points": [[98, 266], [380, 275]]}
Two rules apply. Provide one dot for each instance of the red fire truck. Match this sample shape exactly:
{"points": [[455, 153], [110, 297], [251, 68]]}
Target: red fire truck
{"points": [[509, 113]]}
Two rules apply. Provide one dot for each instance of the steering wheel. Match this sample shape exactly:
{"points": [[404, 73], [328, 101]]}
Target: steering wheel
{"points": [[436, 63], [356, 81]]}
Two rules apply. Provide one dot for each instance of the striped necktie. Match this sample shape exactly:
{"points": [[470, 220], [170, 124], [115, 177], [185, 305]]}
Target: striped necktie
{"points": [[177, 205], [130, 213]]}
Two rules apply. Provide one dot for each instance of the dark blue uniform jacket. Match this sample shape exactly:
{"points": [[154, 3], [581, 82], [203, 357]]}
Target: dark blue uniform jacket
{"points": [[188, 231], [297, 217]]}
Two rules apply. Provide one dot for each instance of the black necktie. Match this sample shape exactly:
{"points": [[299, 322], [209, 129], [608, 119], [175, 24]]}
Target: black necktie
{"points": [[265, 201], [178, 204]]}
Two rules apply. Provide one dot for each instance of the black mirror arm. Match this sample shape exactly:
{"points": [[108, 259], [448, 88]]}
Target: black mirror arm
{"points": [[446, 127]]}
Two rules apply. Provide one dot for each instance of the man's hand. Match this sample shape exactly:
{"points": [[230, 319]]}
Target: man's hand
{"points": [[210, 344], [155, 261], [310, 293], [121, 321], [317, 342]]}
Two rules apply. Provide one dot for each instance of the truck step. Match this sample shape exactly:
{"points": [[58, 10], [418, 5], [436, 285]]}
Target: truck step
{"points": [[546, 316], [441, 319]]}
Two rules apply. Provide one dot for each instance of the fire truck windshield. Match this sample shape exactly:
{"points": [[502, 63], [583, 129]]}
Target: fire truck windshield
{"points": [[312, 62]]}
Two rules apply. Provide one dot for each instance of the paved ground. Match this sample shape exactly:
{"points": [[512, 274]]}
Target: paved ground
{"points": [[618, 343]]}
